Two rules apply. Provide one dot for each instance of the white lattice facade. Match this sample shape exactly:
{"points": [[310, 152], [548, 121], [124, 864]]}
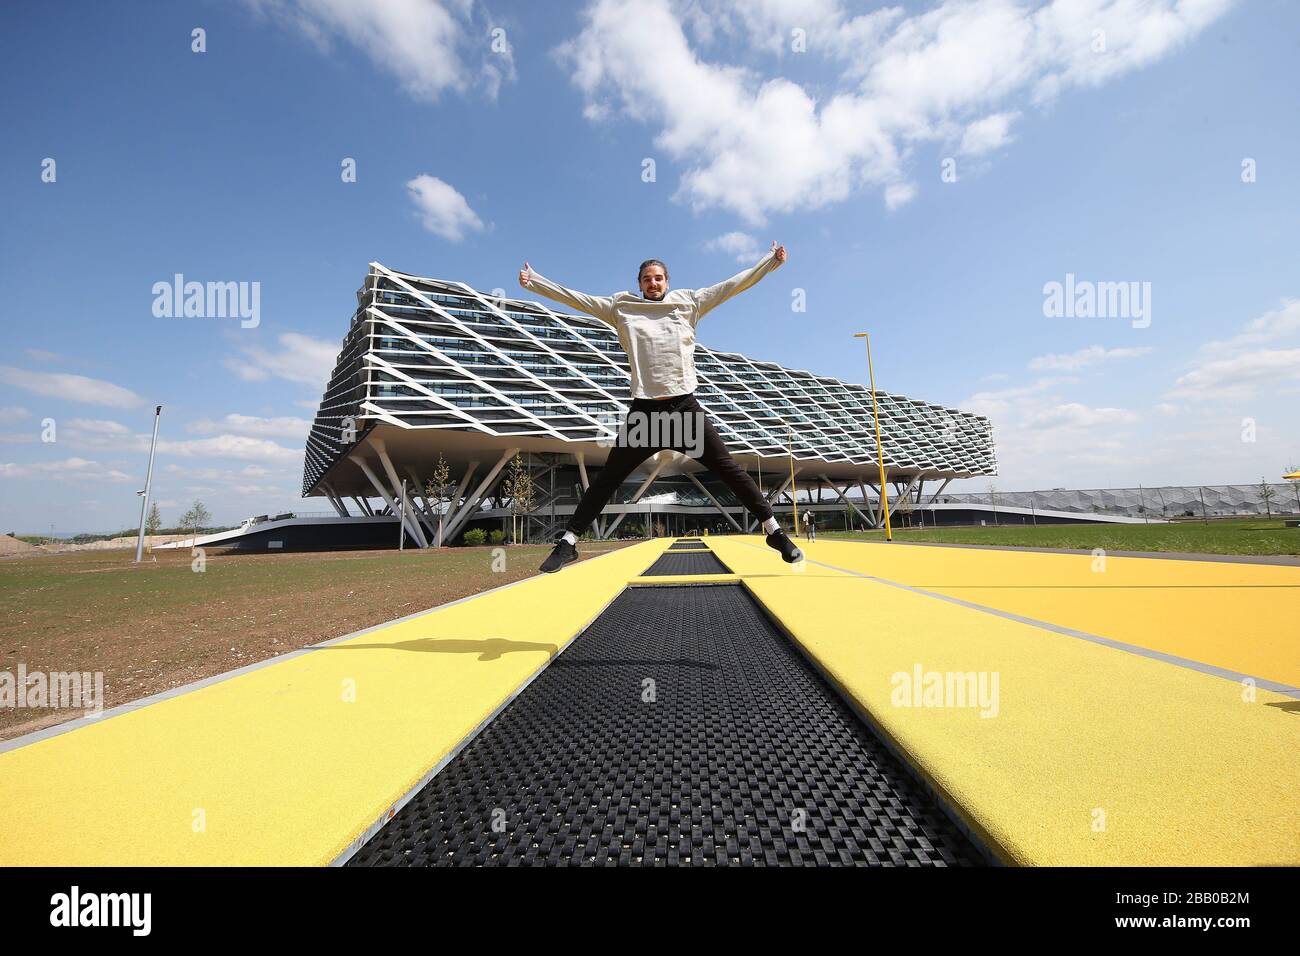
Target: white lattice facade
{"points": [[432, 366]]}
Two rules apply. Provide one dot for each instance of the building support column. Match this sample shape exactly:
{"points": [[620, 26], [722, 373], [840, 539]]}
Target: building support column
{"points": [[335, 500], [654, 473], [467, 509], [360, 462], [726, 514], [904, 493], [835, 488], [875, 509], [399, 493]]}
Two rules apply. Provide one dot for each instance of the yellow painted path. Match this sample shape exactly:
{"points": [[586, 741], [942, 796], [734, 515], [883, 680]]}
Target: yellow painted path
{"points": [[1080, 753]]}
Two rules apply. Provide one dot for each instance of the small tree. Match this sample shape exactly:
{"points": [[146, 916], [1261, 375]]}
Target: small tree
{"points": [[154, 521], [518, 486], [903, 507], [439, 487], [1267, 494], [196, 518]]}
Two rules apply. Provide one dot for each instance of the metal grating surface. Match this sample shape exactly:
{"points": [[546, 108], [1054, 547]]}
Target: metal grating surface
{"points": [[699, 562], [688, 546], [743, 756]]}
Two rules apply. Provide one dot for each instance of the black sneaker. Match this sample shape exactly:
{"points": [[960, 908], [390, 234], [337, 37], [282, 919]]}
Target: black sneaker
{"points": [[781, 541], [563, 553]]}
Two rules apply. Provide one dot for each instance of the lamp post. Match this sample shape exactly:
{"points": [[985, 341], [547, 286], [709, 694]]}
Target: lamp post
{"points": [[880, 451], [144, 495]]}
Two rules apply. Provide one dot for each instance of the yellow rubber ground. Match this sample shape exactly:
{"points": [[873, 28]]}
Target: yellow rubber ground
{"points": [[1087, 753], [1081, 753]]}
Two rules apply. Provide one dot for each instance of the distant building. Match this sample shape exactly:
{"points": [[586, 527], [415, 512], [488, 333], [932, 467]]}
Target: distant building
{"points": [[432, 366]]}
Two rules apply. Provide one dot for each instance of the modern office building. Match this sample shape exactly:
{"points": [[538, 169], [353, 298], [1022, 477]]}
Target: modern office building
{"points": [[431, 370]]}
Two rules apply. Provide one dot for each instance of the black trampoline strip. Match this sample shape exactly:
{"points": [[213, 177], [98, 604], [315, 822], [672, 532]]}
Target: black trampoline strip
{"points": [[681, 728], [703, 562]]}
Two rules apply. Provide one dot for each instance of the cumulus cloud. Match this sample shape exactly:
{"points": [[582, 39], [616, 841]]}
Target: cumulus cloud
{"points": [[1240, 377], [236, 424], [1238, 369], [71, 388], [230, 446], [898, 194], [957, 73], [741, 245], [1078, 415], [299, 358], [1279, 323], [1092, 355], [104, 435], [430, 46], [987, 134], [443, 211], [69, 469]]}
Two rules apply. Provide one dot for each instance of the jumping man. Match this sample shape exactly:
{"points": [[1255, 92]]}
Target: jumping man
{"points": [[657, 330]]}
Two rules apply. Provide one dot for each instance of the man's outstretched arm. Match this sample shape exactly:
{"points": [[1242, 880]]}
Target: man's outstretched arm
{"points": [[601, 306], [714, 295]]}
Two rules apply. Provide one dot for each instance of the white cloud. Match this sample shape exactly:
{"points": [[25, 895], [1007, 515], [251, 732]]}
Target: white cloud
{"points": [[14, 411], [1083, 358], [72, 388], [1269, 327], [1236, 369], [283, 427], [994, 404], [987, 134], [228, 476], [426, 44], [443, 211], [756, 145], [230, 446], [741, 245], [301, 358], [70, 469], [102, 435], [1077, 415], [898, 194], [1239, 377]]}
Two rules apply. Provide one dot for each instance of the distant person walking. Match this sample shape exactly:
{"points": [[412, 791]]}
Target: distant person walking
{"points": [[657, 330], [810, 526]]}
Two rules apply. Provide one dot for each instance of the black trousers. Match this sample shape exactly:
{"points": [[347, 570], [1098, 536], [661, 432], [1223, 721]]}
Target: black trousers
{"points": [[657, 432]]}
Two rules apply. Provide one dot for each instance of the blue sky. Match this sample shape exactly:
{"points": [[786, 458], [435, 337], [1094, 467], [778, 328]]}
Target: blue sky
{"points": [[1104, 140]]}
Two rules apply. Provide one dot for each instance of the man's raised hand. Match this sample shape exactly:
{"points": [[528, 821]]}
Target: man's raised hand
{"points": [[779, 250], [525, 274]]}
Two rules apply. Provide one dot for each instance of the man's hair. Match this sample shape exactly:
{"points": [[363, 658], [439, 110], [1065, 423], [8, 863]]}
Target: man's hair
{"points": [[650, 262]]}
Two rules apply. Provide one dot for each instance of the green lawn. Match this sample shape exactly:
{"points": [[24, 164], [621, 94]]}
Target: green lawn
{"points": [[1228, 536]]}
